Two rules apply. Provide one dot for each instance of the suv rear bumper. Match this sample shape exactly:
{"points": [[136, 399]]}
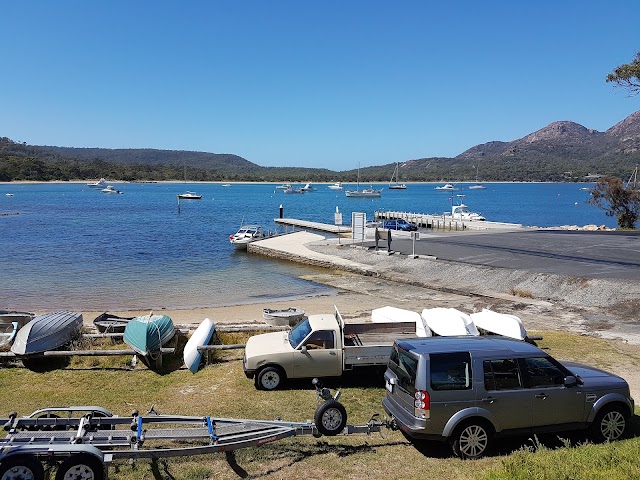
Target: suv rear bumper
{"points": [[410, 425]]}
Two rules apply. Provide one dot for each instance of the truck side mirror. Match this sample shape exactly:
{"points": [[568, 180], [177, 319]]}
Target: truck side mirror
{"points": [[570, 381]]}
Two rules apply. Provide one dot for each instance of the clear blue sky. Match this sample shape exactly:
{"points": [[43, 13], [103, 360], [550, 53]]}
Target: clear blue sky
{"points": [[300, 83]]}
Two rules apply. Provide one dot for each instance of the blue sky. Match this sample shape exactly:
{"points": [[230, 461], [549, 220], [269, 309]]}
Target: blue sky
{"points": [[318, 84]]}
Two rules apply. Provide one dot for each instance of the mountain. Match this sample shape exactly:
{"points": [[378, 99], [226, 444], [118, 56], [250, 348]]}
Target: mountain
{"points": [[560, 151]]}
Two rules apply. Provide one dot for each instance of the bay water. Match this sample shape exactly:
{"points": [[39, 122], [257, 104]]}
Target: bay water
{"points": [[66, 246]]}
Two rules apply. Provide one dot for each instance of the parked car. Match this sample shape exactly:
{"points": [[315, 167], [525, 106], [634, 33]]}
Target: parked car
{"points": [[400, 224], [470, 390]]}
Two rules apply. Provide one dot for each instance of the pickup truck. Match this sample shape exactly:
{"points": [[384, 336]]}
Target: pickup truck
{"points": [[320, 346]]}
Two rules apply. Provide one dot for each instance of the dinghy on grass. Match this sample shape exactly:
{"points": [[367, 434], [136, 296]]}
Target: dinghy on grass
{"points": [[146, 334], [109, 323], [495, 323], [448, 322], [202, 336], [8, 333], [47, 332]]}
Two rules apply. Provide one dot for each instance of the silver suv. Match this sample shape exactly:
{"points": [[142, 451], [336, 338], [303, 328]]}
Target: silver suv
{"points": [[469, 390]]}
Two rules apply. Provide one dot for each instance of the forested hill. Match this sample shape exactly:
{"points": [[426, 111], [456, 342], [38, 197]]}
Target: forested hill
{"points": [[561, 151]]}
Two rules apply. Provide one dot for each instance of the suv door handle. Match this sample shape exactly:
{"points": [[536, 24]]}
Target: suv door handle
{"points": [[541, 395], [489, 400], [332, 353]]}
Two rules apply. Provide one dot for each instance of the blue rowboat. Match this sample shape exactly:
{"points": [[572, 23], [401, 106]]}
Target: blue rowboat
{"points": [[148, 333], [47, 332]]}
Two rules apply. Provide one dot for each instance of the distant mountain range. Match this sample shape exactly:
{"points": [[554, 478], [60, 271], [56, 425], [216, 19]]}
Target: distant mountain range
{"points": [[560, 151]]}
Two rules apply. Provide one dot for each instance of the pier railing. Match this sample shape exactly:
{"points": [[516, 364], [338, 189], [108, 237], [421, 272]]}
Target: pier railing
{"points": [[434, 222]]}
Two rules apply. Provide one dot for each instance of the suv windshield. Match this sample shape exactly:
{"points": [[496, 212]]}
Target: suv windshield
{"points": [[299, 333]]}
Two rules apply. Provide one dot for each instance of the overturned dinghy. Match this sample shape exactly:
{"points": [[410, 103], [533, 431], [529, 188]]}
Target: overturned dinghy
{"points": [[448, 322], [396, 315], [494, 323], [192, 356], [148, 333], [47, 332]]}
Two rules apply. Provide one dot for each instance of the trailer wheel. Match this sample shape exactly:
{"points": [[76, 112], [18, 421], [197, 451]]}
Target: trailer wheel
{"points": [[330, 418], [21, 467], [270, 378], [82, 466]]}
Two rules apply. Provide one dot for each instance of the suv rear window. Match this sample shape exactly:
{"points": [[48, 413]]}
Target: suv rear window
{"points": [[405, 368], [450, 371]]}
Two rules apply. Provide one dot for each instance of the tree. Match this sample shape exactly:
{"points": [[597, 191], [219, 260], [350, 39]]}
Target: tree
{"points": [[627, 76], [617, 201]]}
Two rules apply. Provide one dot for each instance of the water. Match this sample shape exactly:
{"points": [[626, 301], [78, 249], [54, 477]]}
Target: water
{"points": [[76, 248]]}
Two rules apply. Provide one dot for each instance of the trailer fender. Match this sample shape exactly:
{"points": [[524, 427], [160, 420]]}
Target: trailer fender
{"points": [[57, 451]]}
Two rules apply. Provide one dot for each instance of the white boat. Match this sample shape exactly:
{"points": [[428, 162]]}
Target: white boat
{"points": [[189, 196], [448, 322], [336, 186], [245, 235], [396, 185], [396, 315], [226, 184], [448, 187], [293, 190], [477, 186], [365, 192], [102, 183], [462, 212], [309, 188], [284, 186], [283, 317], [8, 194], [488, 321], [201, 337], [112, 190]]}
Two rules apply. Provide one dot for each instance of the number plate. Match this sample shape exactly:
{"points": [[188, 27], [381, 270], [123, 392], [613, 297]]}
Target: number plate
{"points": [[389, 387]]}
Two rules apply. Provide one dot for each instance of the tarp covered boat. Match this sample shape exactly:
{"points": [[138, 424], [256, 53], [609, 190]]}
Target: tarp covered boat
{"points": [[47, 332], [148, 333]]}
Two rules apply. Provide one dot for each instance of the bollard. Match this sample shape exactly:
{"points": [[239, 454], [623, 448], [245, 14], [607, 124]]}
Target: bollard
{"points": [[281, 211]]}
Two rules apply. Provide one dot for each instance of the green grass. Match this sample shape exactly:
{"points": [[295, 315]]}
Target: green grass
{"points": [[222, 390]]}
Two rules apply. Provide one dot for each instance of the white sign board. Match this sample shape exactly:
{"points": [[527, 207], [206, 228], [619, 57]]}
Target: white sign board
{"points": [[337, 218], [358, 221]]}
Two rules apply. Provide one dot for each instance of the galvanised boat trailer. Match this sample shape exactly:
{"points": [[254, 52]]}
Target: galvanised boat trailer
{"points": [[82, 441]]}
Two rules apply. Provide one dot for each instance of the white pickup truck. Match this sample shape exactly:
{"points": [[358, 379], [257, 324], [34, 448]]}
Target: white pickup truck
{"points": [[320, 346]]}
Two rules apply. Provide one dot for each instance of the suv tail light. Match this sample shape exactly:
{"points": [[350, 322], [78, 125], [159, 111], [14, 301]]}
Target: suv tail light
{"points": [[422, 404]]}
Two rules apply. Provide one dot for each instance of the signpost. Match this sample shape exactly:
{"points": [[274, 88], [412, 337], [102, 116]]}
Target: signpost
{"points": [[337, 220]]}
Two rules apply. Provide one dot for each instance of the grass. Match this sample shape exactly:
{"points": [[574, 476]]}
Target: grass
{"points": [[221, 389]]}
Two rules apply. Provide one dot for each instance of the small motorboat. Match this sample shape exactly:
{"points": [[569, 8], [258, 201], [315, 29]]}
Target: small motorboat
{"points": [[336, 186], [109, 323], [448, 322], [47, 332], [8, 333], [192, 356], [462, 212], [448, 187], [494, 323], [147, 334], [245, 235], [284, 186], [112, 190], [309, 188], [102, 183], [293, 190], [283, 317], [189, 196]]}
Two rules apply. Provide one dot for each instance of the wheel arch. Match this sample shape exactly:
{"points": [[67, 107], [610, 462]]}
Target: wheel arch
{"points": [[471, 414], [609, 400]]}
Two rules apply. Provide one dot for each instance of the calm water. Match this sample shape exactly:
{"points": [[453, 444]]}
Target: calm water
{"points": [[76, 248]]}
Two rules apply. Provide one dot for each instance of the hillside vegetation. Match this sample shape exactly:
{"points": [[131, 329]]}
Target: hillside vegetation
{"points": [[561, 151]]}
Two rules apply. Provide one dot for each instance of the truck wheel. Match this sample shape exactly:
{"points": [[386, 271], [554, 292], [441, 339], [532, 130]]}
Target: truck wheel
{"points": [[82, 466], [610, 424], [472, 440], [330, 418], [270, 378], [21, 467]]}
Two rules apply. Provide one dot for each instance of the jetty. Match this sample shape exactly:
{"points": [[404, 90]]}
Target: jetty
{"points": [[306, 225], [443, 222]]}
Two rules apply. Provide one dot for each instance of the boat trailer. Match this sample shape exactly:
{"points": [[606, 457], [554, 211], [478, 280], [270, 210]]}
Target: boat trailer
{"points": [[83, 440]]}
